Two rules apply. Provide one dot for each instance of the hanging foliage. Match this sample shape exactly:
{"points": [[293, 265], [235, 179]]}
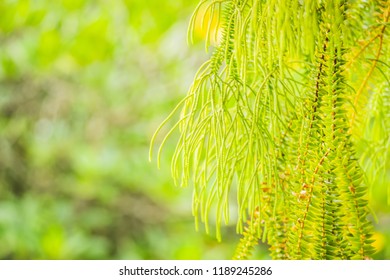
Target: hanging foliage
{"points": [[272, 119]]}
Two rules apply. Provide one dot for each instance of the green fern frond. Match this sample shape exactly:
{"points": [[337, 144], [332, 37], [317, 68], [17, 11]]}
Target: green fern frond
{"points": [[270, 123], [249, 239]]}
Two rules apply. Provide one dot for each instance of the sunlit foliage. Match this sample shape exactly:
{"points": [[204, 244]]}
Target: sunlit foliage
{"points": [[289, 121]]}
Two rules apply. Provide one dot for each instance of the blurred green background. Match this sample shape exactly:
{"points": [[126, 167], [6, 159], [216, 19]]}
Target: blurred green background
{"points": [[83, 86]]}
